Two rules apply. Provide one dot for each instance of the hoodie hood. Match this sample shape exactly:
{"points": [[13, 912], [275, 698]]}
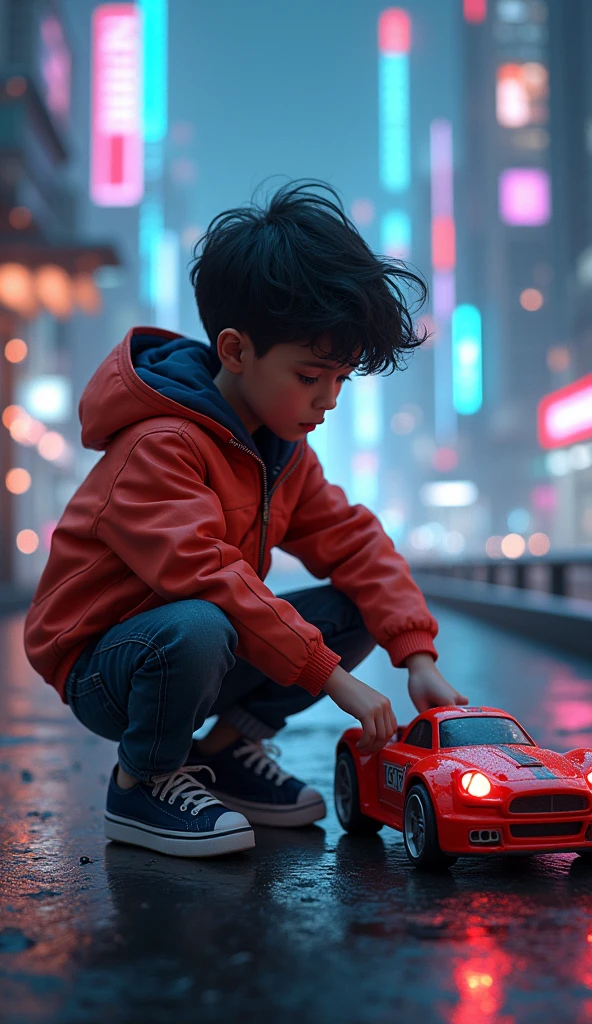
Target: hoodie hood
{"points": [[157, 373]]}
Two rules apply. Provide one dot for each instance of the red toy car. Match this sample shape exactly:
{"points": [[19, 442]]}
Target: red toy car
{"points": [[461, 781]]}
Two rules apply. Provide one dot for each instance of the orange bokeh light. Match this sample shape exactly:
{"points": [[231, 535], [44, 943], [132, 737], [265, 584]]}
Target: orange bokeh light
{"points": [[539, 544], [513, 545], [17, 290], [558, 359], [54, 290], [20, 217], [25, 430], [11, 413], [51, 445], [27, 541], [18, 481], [86, 294], [16, 350], [531, 299]]}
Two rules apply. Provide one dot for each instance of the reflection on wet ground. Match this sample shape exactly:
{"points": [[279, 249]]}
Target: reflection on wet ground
{"points": [[311, 925]]}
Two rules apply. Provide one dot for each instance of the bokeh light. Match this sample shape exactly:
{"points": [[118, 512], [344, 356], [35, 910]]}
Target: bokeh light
{"points": [[25, 430], [403, 423], [363, 212], [558, 359], [513, 545], [531, 299], [51, 446], [444, 459], [55, 290], [518, 520], [27, 541], [18, 480], [20, 217], [16, 350], [539, 544], [493, 546], [11, 413]]}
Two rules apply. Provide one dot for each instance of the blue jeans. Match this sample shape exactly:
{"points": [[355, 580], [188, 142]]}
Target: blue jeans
{"points": [[150, 682]]}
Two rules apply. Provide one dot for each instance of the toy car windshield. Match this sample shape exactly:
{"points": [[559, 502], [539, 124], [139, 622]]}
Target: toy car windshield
{"points": [[474, 732]]}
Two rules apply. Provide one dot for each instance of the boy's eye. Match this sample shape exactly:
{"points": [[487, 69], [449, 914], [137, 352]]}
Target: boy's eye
{"points": [[313, 380]]}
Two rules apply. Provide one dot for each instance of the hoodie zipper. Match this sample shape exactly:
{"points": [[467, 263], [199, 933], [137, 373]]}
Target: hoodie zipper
{"points": [[266, 495]]}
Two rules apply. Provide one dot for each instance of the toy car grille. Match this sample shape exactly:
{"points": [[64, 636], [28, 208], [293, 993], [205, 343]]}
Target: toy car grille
{"points": [[542, 828], [548, 803]]}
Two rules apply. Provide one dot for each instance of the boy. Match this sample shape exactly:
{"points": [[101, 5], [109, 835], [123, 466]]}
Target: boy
{"points": [[152, 614]]}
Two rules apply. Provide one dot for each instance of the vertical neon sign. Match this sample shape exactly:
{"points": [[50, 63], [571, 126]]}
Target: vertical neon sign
{"points": [[117, 173], [444, 277], [157, 252], [467, 375], [394, 43]]}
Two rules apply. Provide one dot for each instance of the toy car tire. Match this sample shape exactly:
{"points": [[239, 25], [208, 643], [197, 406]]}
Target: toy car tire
{"points": [[420, 831], [347, 799]]}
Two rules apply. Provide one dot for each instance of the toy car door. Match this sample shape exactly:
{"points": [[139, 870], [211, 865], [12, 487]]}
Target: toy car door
{"points": [[398, 758]]}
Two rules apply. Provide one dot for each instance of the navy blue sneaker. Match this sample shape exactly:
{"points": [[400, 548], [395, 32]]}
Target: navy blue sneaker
{"points": [[175, 814], [248, 780]]}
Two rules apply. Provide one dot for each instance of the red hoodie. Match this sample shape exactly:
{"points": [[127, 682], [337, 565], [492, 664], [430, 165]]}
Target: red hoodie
{"points": [[184, 504]]}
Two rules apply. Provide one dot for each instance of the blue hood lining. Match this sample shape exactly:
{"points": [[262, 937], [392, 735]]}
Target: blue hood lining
{"points": [[183, 370]]}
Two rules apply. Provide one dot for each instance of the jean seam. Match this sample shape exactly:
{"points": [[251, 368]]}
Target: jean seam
{"points": [[147, 641], [143, 637], [161, 703]]}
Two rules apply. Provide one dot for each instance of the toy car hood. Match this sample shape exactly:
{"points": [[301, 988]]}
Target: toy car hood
{"points": [[511, 763]]}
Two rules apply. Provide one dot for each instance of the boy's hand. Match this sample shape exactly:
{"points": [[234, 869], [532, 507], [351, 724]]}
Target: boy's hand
{"points": [[372, 709], [427, 686]]}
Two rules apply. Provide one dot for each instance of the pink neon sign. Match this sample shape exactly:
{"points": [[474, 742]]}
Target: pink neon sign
{"points": [[525, 196], [117, 146], [394, 31], [565, 416]]}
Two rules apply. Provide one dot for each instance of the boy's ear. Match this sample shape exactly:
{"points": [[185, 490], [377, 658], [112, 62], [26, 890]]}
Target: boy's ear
{"points": [[232, 347]]}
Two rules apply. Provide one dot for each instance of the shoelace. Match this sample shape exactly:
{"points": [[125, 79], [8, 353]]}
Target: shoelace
{"points": [[182, 783], [257, 757]]}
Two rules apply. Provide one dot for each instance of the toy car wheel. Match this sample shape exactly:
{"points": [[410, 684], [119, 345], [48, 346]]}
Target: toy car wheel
{"points": [[347, 799], [420, 831]]}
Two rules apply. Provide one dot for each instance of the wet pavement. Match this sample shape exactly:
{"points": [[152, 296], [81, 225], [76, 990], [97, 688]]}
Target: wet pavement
{"points": [[309, 926]]}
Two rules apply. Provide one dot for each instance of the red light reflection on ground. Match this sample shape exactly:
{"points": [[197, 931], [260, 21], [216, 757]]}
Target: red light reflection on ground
{"points": [[480, 984]]}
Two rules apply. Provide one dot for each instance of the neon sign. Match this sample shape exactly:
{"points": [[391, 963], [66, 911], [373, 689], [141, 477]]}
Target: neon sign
{"points": [[117, 149]]}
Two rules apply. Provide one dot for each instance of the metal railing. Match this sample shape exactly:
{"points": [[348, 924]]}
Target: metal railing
{"points": [[565, 574]]}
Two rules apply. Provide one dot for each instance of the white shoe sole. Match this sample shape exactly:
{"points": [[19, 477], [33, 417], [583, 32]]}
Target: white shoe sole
{"points": [[291, 816], [178, 844]]}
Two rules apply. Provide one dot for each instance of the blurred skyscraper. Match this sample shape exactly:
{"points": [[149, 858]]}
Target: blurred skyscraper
{"points": [[47, 282]]}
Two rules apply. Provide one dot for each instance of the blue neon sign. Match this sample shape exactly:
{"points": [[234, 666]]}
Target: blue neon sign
{"points": [[467, 368]]}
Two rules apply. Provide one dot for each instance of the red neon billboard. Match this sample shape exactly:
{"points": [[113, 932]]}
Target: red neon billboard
{"points": [[117, 146], [565, 416], [475, 10], [394, 31]]}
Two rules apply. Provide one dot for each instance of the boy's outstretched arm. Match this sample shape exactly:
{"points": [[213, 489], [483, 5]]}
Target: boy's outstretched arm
{"points": [[427, 689], [372, 709], [427, 686]]}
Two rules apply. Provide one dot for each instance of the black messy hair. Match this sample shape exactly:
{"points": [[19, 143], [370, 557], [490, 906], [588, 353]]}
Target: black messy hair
{"points": [[297, 269]]}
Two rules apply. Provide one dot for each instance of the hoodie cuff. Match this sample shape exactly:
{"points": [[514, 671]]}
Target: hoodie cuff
{"points": [[415, 641], [317, 670]]}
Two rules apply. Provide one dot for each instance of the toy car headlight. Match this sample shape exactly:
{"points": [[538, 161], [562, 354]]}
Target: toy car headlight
{"points": [[476, 783], [589, 777]]}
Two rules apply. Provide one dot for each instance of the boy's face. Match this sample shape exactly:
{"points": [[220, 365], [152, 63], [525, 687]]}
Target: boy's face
{"points": [[289, 389]]}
